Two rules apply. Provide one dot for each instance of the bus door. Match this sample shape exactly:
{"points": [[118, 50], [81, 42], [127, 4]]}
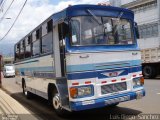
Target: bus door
{"points": [[59, 34]]}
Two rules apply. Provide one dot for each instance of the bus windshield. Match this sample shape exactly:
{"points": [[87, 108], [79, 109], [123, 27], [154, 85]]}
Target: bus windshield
{"points": [[88, 30]]}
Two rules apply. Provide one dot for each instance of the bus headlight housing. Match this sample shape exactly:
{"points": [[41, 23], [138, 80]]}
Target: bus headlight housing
{"points": [[81, 91], [139, 81]]}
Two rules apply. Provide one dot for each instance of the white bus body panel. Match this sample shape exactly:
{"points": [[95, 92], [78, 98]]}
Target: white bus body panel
{"points": [[103, 59]]}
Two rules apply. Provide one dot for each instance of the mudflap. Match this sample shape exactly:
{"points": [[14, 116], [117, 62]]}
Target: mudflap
{"points": [[63, 91]]}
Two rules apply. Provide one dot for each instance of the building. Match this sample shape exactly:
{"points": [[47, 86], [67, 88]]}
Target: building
{"points": [[147, 15], [8, 60]]}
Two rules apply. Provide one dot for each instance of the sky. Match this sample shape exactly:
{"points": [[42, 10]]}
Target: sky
{"points": [[34, 13]]}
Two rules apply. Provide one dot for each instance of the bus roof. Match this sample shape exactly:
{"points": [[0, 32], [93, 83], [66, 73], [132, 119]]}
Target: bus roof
{"points": [[81, 10], [98, 10], [77, 10]]}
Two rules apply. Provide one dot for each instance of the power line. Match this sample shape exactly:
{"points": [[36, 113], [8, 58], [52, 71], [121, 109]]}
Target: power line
{"points": [[2, 5], [14, 21], [1, 2], [6, 11]]}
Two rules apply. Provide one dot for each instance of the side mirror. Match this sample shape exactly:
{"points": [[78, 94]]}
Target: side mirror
{"points": [[136, 30]]}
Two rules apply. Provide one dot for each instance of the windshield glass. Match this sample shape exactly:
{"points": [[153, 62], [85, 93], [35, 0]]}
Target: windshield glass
{"points": [[88, 30], [9, 69]]}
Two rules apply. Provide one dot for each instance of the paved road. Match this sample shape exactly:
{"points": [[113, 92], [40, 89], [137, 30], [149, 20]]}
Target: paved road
{"points": [[149, 104]]}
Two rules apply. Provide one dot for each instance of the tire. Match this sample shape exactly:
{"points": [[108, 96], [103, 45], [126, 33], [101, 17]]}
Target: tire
{"points": [[56, 103], [25, 92], [149, 71]]}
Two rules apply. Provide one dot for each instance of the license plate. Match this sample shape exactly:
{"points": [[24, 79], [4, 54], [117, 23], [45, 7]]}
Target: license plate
{"points": [[116, 100]]}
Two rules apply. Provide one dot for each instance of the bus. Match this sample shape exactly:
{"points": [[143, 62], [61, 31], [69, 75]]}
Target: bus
{"points": [[83, 57]]}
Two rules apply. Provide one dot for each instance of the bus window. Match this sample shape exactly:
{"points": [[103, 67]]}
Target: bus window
{"points": [[38, 34], [28, 47], [36, 43], [75, 24], [17, 53], [47, 43], [49, 26], [36, 48], [101, 31], [22, 46]]}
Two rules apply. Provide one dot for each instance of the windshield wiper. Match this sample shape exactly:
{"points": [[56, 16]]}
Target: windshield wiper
{"points": [[94, 16], [118, 19], [120, 15], [96, 19]]}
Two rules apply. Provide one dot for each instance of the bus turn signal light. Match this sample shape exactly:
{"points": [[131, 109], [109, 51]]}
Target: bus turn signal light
{"points": [[142, 80], [73, 92]]}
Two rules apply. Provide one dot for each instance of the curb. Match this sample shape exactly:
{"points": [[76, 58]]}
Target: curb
{"points": [[11, 109]]}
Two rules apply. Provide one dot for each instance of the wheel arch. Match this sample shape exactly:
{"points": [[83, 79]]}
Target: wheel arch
{"points": [[51, 88]]}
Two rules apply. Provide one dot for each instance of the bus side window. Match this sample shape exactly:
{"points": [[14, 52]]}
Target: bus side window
{"points": [[50, 26], [28, 46], [22, 46], [36, 43], [47, 39], [17, 52]]}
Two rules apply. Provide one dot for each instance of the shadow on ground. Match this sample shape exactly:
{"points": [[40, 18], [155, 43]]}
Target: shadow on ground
{"points": [[42, 110]]}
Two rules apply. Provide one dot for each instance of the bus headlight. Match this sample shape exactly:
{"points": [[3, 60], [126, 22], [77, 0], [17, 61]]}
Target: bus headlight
{"points": [[138, 82], [82, 91]]}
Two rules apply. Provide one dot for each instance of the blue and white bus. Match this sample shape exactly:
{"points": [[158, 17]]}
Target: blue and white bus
{"points": [[83, 57]]}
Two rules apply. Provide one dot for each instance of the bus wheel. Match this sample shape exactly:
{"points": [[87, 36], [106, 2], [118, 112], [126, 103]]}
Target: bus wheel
{"points": [[25, 92], [149, 71], [56, 102]]}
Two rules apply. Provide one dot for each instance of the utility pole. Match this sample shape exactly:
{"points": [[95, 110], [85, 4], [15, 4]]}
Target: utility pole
{"points": [[0, 71], [158, 8]]}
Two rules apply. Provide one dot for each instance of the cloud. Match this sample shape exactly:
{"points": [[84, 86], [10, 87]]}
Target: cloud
{"points": [[34, 13]]}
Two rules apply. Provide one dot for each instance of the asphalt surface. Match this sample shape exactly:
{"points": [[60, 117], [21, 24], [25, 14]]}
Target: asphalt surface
{"points": [[39, 107]]}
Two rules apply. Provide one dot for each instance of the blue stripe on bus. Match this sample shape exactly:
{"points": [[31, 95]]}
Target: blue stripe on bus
{"points": [[93, 74], [89, 67], [27, 62], [101, 102], [85, 67], [49, 68]]}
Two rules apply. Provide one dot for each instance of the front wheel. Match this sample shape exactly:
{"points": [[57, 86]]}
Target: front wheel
{"points": [[56, 102]]}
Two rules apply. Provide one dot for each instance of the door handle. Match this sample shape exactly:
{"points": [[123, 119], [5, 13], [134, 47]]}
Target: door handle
{"points": [[84, 56]]}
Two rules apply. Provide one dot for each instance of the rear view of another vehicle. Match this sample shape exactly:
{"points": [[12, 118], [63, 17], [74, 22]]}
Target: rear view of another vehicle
{"points": [[9, 71]]}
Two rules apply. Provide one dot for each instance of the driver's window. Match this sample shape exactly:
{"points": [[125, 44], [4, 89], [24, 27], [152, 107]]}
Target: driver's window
{"points": [[75, 32]]}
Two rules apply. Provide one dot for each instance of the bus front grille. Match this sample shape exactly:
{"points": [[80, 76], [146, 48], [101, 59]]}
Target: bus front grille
{"points": [[106, 89]]}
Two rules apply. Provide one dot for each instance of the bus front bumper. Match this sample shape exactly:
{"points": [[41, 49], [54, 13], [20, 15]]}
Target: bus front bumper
{"points": [[107, 101]]}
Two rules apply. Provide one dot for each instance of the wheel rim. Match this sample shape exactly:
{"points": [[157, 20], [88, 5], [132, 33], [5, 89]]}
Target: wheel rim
{"points": [[25, 93], [56, 102], [147, 71]]}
